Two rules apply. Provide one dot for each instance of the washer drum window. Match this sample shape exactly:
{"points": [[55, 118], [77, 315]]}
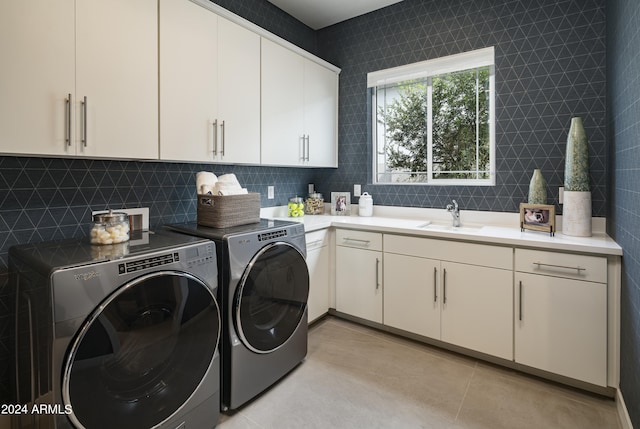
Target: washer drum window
{"points": [[272, 297], [142, 352]]}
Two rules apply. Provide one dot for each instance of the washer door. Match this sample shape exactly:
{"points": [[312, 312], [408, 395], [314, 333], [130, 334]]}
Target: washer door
{"points": [[271, 298], [142, 353]]}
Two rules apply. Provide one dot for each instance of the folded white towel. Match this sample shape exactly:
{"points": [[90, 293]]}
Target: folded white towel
{"points": [[205, 178], [234, 191], [229, 178]]}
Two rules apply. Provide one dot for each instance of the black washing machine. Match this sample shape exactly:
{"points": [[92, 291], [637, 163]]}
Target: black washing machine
{"points": [[120, 336], [264, 287]]}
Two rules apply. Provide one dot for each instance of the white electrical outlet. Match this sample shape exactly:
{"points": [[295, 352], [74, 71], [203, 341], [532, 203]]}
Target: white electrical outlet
{"points": [[561, 195], [270, 192], [311, 188], [357, 190]]}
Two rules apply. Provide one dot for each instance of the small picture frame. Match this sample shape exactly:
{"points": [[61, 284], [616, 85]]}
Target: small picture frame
{"points": [[538, 217], [340, 203]]}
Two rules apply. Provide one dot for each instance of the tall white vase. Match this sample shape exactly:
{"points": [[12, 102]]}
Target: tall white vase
{"points": [[576, 213]]}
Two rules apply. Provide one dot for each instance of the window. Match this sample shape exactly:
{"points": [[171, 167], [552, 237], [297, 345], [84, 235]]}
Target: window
{"points": [[433, 121]]}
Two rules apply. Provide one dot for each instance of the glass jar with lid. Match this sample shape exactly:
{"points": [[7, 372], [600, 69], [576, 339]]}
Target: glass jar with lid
{"points": [[314, 204], [110, 228], [295, 207]]}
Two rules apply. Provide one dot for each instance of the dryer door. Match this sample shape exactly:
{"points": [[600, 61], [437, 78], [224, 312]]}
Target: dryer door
{"points": [[271, 297], [142, 353]]}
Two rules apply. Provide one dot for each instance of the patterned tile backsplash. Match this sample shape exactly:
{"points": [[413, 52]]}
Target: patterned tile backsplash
{"points": [[550, 66]]}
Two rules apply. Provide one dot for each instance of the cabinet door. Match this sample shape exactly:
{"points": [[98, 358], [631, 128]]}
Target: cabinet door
{"points": [[282, 105], [320, 115], [239, 93], [411, 294], [477, 308], [359, 283], [37, 74], [560, 326], [117, 70], [318, 263], [188, 81]]}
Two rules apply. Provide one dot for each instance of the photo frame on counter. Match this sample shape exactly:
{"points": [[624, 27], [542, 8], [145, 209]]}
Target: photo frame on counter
{"points": [[340, 203], [538, 217]]}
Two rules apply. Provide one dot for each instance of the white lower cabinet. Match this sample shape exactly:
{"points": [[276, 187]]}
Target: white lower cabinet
{"points": [[359, 274], [459, 302], [318, 263], [561, 314], [412, 294], [477, 308]]}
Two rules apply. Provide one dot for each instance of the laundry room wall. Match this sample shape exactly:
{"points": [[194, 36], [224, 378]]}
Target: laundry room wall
{"points": [[47, 198], [550, 65]]}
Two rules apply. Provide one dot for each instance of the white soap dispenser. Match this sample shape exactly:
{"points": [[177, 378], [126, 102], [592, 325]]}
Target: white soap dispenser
{"points": [[365, 205]]}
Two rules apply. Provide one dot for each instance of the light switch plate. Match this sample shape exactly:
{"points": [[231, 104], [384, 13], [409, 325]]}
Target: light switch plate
{"points": [[311, 188], [270, 192], [357, 190]]}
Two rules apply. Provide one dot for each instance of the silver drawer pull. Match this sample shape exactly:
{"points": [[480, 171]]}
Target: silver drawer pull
{"points": [[314, 243], [365, 242], [540, 265]]}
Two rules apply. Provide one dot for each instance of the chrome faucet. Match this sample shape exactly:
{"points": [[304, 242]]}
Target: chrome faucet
{"points": [[455, 212]]}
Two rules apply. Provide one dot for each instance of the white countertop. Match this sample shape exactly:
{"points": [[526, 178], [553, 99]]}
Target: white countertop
{"points": [[477, 229]]}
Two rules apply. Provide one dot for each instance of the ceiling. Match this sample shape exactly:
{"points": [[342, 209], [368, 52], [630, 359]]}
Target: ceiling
{"points": [[319, 14]]}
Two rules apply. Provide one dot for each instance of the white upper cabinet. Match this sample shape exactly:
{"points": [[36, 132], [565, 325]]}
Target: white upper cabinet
{"points": [[321, 115], [282, 105], [209, 86], [188, 81], [299, 109], [56, 52], [239, 93], [117, 72]]}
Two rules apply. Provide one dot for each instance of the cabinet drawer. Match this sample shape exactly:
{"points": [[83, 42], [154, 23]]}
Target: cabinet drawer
{"points": [[317, 239], [444, 250], [359, 239], [566, 265]]}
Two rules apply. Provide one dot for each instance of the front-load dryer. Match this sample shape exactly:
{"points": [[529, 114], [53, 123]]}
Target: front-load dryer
{"points": [[264, 287], [121, 336]]}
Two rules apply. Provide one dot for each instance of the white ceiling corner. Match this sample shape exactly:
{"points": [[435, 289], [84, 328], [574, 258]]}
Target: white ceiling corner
{"points": [[319, 14]]}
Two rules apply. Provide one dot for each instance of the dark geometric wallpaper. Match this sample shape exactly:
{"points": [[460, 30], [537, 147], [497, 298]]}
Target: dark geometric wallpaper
{"points": [[550, 66], [623, 39]]}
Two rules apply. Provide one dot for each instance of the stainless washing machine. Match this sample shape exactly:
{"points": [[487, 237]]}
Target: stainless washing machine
{"points": [[119, 336], [264, 287]]}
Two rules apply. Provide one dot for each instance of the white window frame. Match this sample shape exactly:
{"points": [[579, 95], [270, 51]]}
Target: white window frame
{"points": [[425, 70]]}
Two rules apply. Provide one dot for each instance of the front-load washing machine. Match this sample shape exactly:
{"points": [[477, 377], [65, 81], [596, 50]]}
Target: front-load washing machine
{"points": [[263, 290], [120, 336]]}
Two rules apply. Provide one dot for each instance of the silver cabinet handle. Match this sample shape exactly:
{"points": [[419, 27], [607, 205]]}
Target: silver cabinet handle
{"points": [[444, 285], [308, 147], [222, 129], [215, 137], [68, 122], [304, 146], [565, 267], [377, 273], [435, 284], [314, 243], [520, 301], [356, 240], [84, 113]]}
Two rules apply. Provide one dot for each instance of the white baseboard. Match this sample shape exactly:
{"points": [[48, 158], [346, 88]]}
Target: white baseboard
{"points": [[623, 414]]}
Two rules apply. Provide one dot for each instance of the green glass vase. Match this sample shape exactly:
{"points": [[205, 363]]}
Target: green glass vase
{"points": [[576, 168], [537, 188]]}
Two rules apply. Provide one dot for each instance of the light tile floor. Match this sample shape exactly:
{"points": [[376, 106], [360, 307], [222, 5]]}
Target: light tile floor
{"points": [[356, 377]]}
